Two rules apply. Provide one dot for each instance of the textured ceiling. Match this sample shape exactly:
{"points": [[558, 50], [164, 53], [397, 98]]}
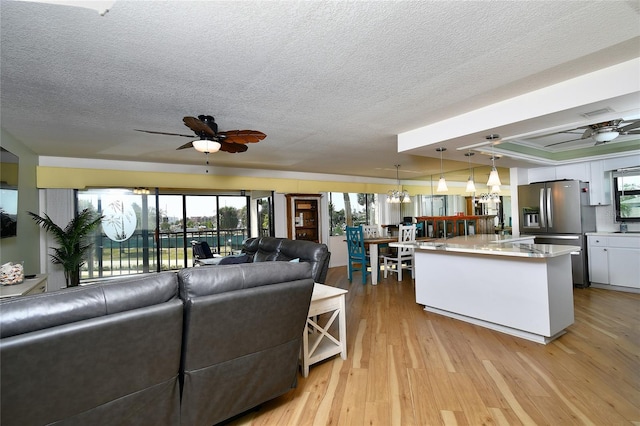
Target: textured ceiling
{"points": [[332, 84]]}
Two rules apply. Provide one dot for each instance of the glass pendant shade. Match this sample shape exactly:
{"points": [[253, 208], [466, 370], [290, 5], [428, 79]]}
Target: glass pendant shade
{"points": [[206, 146], [495, 189], [442, 185], [471, 186], [494, 178]]}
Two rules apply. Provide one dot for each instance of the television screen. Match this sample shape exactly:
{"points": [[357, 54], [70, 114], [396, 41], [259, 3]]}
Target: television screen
{"points": [[8, 194], [8, 212]]}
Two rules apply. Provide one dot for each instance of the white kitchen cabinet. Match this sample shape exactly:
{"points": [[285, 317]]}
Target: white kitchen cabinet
{"points": [[614, 260], [624, 266], [541, 174], [598, 263], [599, 184], [576, 171]]}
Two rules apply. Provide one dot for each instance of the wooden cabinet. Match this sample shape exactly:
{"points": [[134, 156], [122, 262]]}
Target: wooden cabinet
{"points": [[613, 260], [303, 217]]}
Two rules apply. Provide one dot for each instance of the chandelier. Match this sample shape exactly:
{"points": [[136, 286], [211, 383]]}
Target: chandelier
{"points": [[398, 195], [492, 196], [141, 191]]}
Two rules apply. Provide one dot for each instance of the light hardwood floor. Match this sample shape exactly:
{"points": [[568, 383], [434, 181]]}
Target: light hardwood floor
{"points": [[406, 366]]}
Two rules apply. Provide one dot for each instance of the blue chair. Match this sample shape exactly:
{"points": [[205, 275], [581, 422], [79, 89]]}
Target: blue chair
{"points": [[358, 257]]}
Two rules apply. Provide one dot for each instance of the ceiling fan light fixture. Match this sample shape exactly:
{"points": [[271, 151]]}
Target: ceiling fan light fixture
{"points": [[605, 136], [206, 146]]}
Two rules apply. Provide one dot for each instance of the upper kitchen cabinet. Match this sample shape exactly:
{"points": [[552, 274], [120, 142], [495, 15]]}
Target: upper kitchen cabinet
{"points": [[592, 172], [577, 171], [599, 184]]}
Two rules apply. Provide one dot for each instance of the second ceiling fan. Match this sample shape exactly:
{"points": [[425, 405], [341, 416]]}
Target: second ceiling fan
{"points": [[604, 132]]}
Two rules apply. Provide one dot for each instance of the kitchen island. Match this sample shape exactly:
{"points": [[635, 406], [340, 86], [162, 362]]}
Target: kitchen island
{"points": [[500, 282]]}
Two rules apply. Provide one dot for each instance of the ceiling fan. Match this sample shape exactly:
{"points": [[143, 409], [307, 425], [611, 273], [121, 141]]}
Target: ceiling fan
{"points": [[604, 132], [211, 140]]}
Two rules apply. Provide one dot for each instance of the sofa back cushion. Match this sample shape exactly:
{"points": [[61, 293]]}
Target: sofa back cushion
{"points": [[268, 249], [243, 331], [100, 354], [282, 249], [25, 314]]}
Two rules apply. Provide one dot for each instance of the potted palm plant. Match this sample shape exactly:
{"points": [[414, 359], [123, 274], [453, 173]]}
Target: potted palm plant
{"points": [[71, 240]]}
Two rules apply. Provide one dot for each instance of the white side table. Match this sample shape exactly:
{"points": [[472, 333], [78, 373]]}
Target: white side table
{"points": [[317, 343], [28, 286]]}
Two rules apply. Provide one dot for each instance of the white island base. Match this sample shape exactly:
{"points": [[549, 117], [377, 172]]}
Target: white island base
{"points": [[527, 297]]}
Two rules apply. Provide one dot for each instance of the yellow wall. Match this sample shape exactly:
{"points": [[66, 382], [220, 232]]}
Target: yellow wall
{"points": [[58, 177], [79, 178]]}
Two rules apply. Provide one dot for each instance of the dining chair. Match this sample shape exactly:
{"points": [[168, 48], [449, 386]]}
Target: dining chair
{"points": [[404, 257], [373, 231], [370, 231], [358, 258]]}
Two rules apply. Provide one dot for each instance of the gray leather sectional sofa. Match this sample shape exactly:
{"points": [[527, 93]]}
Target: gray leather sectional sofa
{"points": [[266, 249], [192, 348]]}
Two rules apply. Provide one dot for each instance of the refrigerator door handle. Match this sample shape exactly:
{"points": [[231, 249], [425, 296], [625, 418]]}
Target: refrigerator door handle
{"points": [[549, 215], [542, 214]]}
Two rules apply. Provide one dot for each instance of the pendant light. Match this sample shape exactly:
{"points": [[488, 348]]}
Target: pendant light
{"points": [[494, 178], [442, 184], [471, 186], [398, 195]]}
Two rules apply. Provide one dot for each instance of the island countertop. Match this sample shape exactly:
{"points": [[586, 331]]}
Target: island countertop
{"points": [[492, 245]]}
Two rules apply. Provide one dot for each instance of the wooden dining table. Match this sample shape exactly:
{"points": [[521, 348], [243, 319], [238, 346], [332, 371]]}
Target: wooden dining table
{"points": [[373, 246]]}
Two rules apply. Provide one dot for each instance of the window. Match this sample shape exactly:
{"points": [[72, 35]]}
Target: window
{"points": [[627, 195], [151, 233], [351, 209]]}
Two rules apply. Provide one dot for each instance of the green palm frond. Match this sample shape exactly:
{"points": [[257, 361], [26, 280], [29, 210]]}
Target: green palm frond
{"points": [[71, 249]]}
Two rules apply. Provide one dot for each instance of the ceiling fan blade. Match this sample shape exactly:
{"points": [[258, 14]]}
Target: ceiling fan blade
{"points": [[164, 133], [560, 143], [243, 136], [587, 133], [628, 127], [232, 147], [186, 145], [198, 126]]}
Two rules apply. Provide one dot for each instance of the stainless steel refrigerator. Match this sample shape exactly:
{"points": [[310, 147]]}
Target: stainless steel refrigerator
{"points": [[558, 212]]}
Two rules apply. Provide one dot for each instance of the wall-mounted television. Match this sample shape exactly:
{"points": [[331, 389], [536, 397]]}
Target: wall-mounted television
{"points": [[8, 194]]}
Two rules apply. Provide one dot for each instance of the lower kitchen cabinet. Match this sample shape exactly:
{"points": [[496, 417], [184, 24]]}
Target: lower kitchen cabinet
{"points": [[614, 260]]}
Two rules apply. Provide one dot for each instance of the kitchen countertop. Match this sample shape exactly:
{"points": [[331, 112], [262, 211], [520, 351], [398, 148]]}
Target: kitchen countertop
{"points": [[635, 234], [485, 238], [493, 245]]}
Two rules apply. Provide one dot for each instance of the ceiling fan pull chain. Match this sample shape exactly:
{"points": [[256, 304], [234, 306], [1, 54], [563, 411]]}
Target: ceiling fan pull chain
{"points": [[207, 169]]}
